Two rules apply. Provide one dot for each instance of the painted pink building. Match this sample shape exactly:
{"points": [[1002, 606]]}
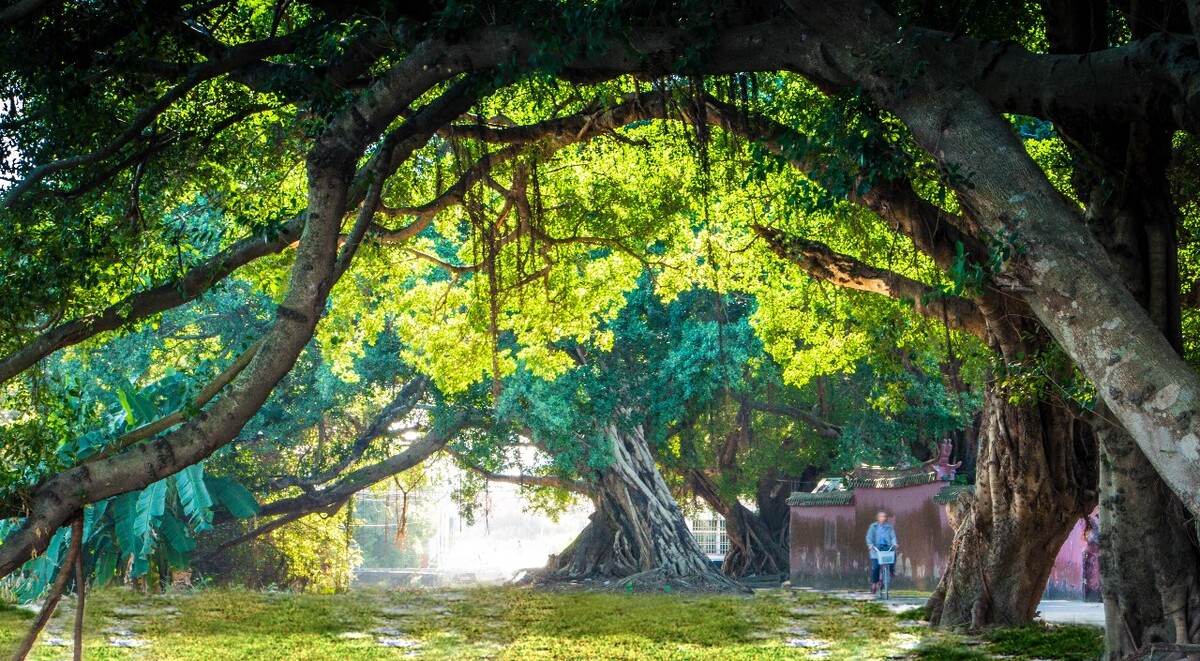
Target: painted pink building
{"points": [[829, 527]]}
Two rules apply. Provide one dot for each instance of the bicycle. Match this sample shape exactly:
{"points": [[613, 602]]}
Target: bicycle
{"points": [[886, 556]]}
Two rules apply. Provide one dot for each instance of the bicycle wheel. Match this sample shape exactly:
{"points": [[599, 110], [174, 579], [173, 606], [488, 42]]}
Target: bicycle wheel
{"points": [[887, 580]]}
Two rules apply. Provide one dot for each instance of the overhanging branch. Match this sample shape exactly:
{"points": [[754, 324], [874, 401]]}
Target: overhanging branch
{"points": [[141, 305], [822, 427], [523, 479], [822, 263], [331, 499]]}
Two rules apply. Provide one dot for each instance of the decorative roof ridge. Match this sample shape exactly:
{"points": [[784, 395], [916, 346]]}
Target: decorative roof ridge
{"points": [[894, 481], [806, 499]]}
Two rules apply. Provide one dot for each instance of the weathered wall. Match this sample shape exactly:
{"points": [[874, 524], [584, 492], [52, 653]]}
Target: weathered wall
{"points": [[828, 549], [1076, 573]]}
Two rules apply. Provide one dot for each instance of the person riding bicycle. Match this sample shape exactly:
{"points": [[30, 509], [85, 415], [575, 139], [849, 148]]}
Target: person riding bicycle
{"points": [[881, 535]]}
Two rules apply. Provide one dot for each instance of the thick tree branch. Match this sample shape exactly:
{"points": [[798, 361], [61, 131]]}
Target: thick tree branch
{"points": [[331, 499], [822, 427], [400, 406], [152, 301], [822, 263], [933, 231], [331, 162], [1073, 287], [229, 60], [201, 400], [200, 278], [357, 480], [523, 479], [1154, 79]]}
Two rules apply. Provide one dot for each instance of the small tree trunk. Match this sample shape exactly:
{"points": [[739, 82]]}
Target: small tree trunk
{"points": [[55, 593], [753, 549], [637, 532], [80, 591], [1035, 480]]}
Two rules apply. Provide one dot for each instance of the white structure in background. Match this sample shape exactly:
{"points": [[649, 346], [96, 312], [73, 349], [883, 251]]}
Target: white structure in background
{"points": [[505, 538], [708, 528]]}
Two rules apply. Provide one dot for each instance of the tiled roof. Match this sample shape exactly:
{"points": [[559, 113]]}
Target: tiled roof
{"points": [[893, 481], [951, 492], [804, 499]]}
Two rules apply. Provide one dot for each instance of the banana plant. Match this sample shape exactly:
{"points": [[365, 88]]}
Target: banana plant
{"points": [[127, 536]]}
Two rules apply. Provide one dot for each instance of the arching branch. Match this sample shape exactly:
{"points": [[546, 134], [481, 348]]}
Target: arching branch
{"points": [[403, 404], [331, 499], [822, 263], [198, 402], [824, 428], [331, 167], [523, 479], [933, 230], [141, 305], [229, 60]]}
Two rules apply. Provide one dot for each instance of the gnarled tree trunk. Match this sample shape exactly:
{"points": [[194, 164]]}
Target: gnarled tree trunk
{"points": [[753, 548], [637, 533], [1036, 477], [1150, 564]]}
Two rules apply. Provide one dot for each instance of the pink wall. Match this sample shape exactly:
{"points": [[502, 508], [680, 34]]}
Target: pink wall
{"points": [[828, 546], [1076, 573], [828, 549]]}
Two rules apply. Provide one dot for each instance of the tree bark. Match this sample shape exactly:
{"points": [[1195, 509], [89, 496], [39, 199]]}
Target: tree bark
{"points": [[1150, 557], [1061, 271], [1150, 563], [637, 533], [753, 549], [1035, 480]]}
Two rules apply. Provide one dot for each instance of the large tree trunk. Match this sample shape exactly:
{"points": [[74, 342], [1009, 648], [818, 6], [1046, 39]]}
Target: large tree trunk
{"points": [[1036, 478], [637, 533], [771, 496], [1150, 563], [1030, 492], [1150, 559], [1057, 267]]}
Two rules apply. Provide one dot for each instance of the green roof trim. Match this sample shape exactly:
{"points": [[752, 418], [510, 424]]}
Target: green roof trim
{"points": [[893, 482], [804, 499], [949, 493]]}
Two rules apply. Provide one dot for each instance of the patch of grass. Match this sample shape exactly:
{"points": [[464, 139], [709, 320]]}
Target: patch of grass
{"points": [[11, 610], [949, 652], [1062, 643], [508, 624], [917, 613]]}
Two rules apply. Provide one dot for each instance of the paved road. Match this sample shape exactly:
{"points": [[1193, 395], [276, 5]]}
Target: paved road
{"points": [[1072, 612], [1058, 611]]}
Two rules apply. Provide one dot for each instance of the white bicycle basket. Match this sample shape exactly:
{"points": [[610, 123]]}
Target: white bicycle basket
{"points": [[887, 557]]}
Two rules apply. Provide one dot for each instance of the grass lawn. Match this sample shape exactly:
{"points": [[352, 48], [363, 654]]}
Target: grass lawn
{"points": [[518, 624]]}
